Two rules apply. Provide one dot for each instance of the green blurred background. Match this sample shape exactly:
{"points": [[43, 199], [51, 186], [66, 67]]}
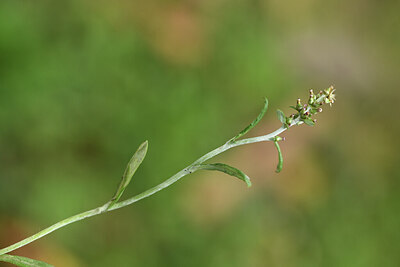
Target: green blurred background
{"points": [[83, 83]]}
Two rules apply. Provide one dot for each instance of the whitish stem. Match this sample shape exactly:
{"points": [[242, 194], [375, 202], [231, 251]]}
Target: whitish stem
{"points": [[188, 170]]}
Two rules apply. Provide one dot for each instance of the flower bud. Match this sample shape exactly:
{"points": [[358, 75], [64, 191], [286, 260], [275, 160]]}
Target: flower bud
{"points": [[289, 121], [299, 106]]}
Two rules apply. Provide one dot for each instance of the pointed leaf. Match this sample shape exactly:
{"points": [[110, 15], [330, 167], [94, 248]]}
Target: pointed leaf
{"points": [[23, 261], [254, 123], [281, 116], [309, 122], [226, 169], [280, 157], [130, 170]]}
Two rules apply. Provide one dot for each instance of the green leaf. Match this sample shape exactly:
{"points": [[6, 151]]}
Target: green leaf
{"points": [[130, 170], [281, 116], [280, 157], [23, 262], [254, 123], [226, 169], [309, 122]]}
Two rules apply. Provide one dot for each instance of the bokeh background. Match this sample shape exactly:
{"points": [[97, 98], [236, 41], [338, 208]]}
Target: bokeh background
{"points": [[83, 83]]}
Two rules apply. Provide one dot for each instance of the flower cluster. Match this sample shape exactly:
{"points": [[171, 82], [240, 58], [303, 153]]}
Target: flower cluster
{"points": [[306, 111]]}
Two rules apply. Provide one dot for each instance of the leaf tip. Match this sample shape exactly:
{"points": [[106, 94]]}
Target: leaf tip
{"points": [[248, 182], [265, 101], [130, 170], [281, 116], [144, 145], [280, 157]]}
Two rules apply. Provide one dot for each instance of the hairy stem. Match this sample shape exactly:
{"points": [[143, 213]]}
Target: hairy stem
{"points": [[176, 177]]}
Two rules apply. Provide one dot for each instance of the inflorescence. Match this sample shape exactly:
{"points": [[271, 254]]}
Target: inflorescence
{"points": [[313, 106]]}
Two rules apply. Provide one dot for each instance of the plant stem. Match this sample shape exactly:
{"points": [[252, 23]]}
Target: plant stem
{"points": [[188, 170]]}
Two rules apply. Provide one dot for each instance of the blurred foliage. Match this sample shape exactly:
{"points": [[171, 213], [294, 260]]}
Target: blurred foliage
{"points": [[83, 83]]}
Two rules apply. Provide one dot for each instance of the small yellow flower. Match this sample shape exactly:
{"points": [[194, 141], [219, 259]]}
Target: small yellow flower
{"points": [[330, 96]]}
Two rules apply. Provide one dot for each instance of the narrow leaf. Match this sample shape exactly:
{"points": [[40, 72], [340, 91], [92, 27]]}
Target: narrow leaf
{"points": [[254, 123], [23, 262], [309, 122], [130, 170], [281, 116], [226, 169], [280, 157]]}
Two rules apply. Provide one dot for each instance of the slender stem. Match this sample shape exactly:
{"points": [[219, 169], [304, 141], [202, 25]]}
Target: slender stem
{"points": [[105, 208]]}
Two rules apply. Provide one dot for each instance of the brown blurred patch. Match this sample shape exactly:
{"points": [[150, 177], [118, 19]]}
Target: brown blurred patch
{"points": [[13, 230], [211, 197], [176, 31], [179, 36], [331, 55], [301, 182]]}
